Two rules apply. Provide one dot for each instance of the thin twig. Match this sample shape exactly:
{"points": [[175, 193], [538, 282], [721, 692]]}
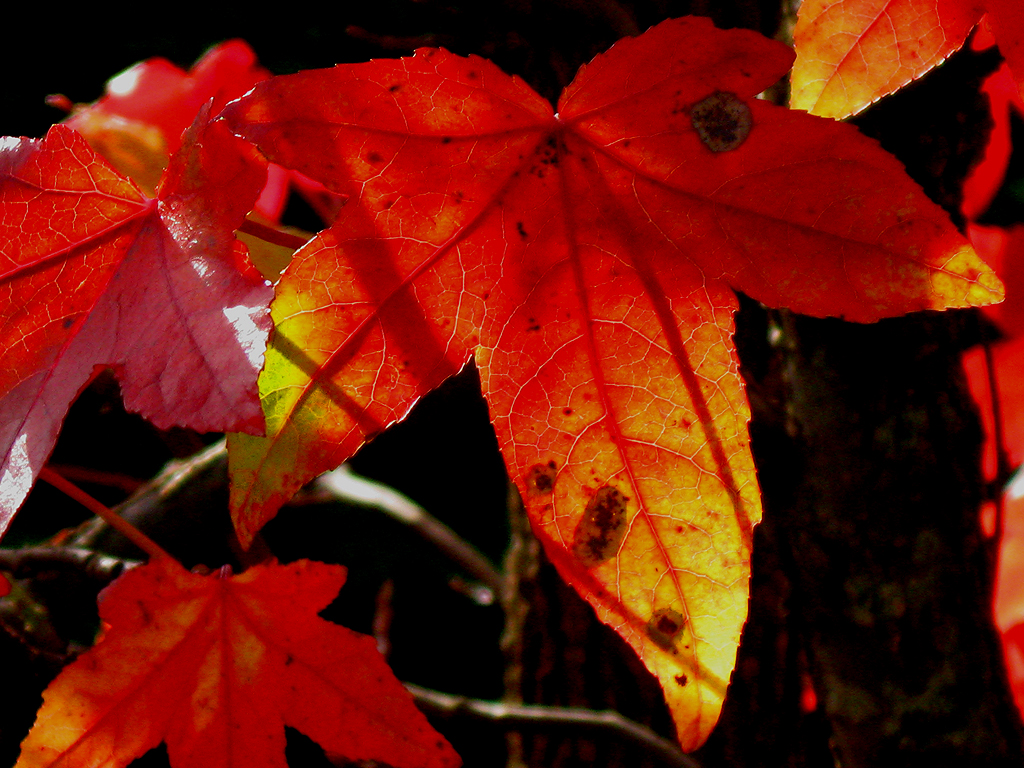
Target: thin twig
{"points": [[122, 526], [24, 563], [175, 475], [520, 564], [344, 484], [535, 715]]}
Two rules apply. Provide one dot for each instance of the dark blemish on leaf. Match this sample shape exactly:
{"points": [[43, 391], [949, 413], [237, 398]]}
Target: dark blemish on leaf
{"points": [[600, 531], [520, 230], [288, 660], [389, 203], [540, 479], [68, 322], [627, 142], [458, 196], [682, 680], [533, 326], [395, 88], [723, 121], [472, 74], [665, 628], [446, 139], [567, 411], [374, 157]]}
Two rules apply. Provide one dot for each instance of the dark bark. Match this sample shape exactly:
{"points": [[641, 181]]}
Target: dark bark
{"points": [[872, 490]]}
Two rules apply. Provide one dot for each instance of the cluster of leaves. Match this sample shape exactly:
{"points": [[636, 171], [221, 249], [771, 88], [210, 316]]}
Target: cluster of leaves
{"points": [[584, 258]]}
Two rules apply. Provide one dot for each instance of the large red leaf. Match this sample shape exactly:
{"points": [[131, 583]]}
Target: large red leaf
{"points": [[217, 667], [92, 272], [584, 260]]}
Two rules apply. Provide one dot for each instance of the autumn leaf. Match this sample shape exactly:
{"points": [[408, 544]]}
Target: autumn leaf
{"points": [[139, 121], [159, 94], [92, 272], [850, 53], [585, 260], [1006, 19], [217, 667]]}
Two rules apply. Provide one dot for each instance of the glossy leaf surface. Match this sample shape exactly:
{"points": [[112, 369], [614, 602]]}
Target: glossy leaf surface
{"points": [[585, 260], [92, 272], [217, 667]]}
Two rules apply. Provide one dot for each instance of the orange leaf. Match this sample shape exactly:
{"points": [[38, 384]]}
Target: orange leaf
{"points": [[217, 667], [850, 53], [585, 261]]}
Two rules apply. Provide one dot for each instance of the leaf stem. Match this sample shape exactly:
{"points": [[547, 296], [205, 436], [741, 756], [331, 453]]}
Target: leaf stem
{"points": [[272, 234], [115, 521]]}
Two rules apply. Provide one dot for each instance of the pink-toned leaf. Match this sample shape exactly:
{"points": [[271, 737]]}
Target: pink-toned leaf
{"points": [[94, 273]]}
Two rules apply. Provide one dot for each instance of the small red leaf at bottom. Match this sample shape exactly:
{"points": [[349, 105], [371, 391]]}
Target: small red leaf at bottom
{"points": [[217, 667]]}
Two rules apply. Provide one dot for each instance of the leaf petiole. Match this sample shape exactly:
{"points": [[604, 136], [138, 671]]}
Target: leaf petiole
{"points": [[115, 521], [272, 235]]}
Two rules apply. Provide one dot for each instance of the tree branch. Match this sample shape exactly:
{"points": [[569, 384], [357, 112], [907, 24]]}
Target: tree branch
{"points": [[544, 717], [23, 563], [344, 484]]}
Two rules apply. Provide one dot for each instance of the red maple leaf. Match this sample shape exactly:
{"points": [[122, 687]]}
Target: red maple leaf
{"points": [[850, 53], [156, 92], [217, 667], [585, 260], [93, 272]]}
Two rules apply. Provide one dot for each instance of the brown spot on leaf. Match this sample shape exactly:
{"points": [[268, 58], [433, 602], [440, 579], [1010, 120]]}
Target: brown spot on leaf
{"points": [[665, 628], [723, 121], [374, 158], [682, 680], [600, 531], [540, 479], [521, 230]]}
